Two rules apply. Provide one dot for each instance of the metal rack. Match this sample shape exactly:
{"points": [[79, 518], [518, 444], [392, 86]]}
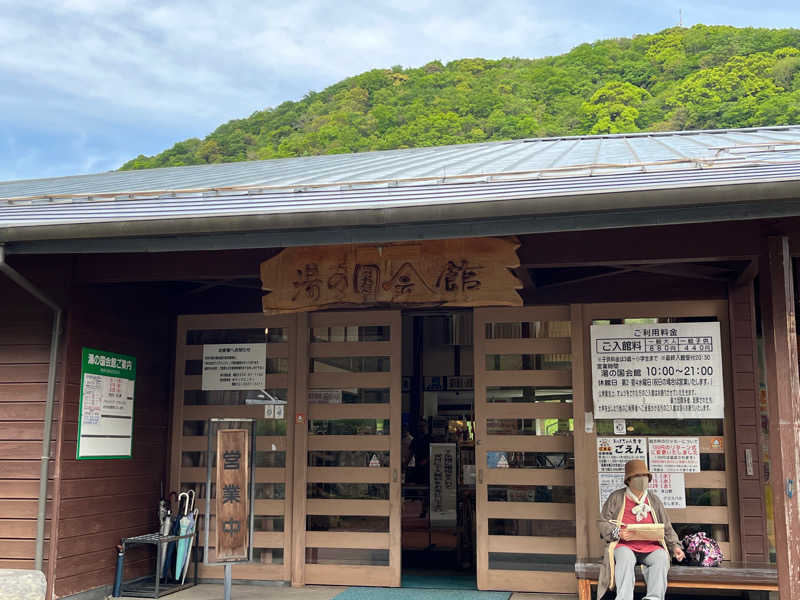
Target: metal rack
{"points": [[152, 586]]}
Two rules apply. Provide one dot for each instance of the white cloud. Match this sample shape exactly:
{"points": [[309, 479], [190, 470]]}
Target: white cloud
{"points": [[127, 77]]}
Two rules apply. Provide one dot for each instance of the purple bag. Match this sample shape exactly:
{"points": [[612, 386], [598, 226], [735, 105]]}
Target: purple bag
{"points": [[701, 550]]}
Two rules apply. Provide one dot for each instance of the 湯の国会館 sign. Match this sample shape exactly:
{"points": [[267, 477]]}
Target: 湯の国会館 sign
{"points": [[657, 371], [462, 272]]}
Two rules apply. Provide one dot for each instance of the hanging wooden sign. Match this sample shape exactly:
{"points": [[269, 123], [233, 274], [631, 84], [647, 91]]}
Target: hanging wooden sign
{"points": [[233, 502], [462, 272]]}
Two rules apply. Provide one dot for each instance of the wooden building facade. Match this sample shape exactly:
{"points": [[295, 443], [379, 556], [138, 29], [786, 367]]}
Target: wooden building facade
{"points": [[329, 521]]}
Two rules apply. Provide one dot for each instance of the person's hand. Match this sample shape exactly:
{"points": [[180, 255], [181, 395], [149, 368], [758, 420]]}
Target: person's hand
{"points": [[678, 553], [625, 535]]}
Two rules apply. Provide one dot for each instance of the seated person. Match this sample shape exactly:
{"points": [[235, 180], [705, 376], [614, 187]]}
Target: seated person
{"points": [[634, 504]]}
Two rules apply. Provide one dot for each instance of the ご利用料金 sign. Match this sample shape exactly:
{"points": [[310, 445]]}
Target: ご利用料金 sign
{"points": [[657, 371], [233, 502]]}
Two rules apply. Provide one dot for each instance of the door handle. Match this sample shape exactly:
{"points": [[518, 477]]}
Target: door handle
{"points": [[480, 476], [394, 475]]}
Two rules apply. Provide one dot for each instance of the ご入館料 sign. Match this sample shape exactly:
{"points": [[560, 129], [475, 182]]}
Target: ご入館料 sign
{"points": [[105, 420], [233, 502], [462, 272], [657, 371]]}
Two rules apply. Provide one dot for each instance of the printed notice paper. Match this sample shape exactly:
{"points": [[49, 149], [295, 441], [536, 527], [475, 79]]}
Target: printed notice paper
{"points": [[670, 487], [657, 371], [234, 366], [674, 454], [614, 452]]}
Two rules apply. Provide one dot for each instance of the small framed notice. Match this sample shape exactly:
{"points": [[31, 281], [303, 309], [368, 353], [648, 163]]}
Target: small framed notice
{"points": [[105, 417]]}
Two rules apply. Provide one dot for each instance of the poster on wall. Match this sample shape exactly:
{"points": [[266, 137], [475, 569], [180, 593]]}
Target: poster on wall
{"points": [[234, 366], [657, 371], [670, 487], [105, 419], [674, 454], [443, 485], [614, 452]]}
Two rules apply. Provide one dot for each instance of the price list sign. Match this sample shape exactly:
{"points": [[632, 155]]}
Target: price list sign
{"points": [[657, 371]]}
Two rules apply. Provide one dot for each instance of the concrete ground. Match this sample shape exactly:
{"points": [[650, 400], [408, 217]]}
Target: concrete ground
{"points": [[310, 592]]}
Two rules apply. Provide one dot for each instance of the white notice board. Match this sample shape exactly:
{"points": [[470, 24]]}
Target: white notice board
{"points": [[657, 371], [234, 366]]}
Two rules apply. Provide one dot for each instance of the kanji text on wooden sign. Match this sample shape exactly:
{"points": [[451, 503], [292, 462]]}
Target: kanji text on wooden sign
{"points": [[462, 272], [233, 503]]}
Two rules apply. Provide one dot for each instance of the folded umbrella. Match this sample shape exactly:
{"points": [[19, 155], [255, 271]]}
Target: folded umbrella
{"points": [[182, 550]]}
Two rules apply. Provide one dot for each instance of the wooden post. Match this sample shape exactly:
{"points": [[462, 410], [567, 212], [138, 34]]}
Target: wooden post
{"points": [[298, 421], [783, 398]]}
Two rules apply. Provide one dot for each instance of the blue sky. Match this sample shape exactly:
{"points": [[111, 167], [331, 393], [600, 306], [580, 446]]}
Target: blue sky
{"points": [[87, 84]]}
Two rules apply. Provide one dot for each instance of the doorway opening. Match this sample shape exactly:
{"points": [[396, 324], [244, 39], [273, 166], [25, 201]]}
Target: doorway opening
{"points": [[438, 442]]}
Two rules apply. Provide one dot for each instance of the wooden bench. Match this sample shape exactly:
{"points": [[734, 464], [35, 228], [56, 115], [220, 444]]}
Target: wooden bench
{"points": [[728, 576]]}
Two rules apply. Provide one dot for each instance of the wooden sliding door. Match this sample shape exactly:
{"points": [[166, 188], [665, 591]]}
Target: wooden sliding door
{"points": [[349, 530], [526, 535], [270, 407]]}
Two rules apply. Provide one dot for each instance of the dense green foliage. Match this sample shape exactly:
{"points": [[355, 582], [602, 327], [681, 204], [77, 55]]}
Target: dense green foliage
{"points": [[697, 78]]}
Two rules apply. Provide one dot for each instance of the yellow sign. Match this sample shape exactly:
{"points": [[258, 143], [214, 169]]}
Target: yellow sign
{"points": [[461, 272]]}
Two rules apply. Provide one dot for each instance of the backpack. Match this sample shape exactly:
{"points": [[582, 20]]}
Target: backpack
{"points": [[701, 550]]}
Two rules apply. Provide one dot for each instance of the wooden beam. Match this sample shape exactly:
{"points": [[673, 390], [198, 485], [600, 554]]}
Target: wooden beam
{"points": [[524, 275], [748, 274], [690, 271], [170, 266], [783, 399]]}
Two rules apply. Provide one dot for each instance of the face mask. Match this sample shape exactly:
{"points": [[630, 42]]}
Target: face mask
{"points": [[638, 483]]}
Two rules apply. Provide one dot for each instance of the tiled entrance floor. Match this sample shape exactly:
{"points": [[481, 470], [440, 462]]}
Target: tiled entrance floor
{"points": [[310, 592]]}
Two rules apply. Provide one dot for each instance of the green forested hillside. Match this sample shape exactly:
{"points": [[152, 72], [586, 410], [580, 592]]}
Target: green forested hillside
{"points": [[696, 78]]}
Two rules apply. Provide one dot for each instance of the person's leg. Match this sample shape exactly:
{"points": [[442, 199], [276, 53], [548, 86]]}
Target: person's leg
{"points": [[624, 576], [655, 566]]}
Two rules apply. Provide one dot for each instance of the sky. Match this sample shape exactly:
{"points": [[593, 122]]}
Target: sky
{"points": [[86, 85]]}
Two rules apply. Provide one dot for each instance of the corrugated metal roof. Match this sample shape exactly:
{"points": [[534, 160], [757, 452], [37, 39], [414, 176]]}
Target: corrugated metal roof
{"points": [[523, 169]]}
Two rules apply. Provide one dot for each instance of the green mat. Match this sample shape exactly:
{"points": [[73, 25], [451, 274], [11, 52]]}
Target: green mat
{"points": [[439, 582], [371, 593]]}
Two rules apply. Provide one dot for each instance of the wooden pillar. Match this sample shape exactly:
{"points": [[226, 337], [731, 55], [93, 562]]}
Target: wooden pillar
{"points": [[747, 421], [783, 399], [300, 452]]}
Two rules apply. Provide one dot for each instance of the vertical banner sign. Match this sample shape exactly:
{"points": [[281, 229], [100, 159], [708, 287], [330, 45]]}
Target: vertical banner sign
{"points": [[233, 503], [657, 371], [234, 366], [105, 420], [443, 485]]}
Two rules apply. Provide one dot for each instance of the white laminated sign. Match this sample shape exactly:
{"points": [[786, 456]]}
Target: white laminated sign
{"points": [[674, 454], [657, 371], [614, 452], [234, 366], [669, 487]]}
